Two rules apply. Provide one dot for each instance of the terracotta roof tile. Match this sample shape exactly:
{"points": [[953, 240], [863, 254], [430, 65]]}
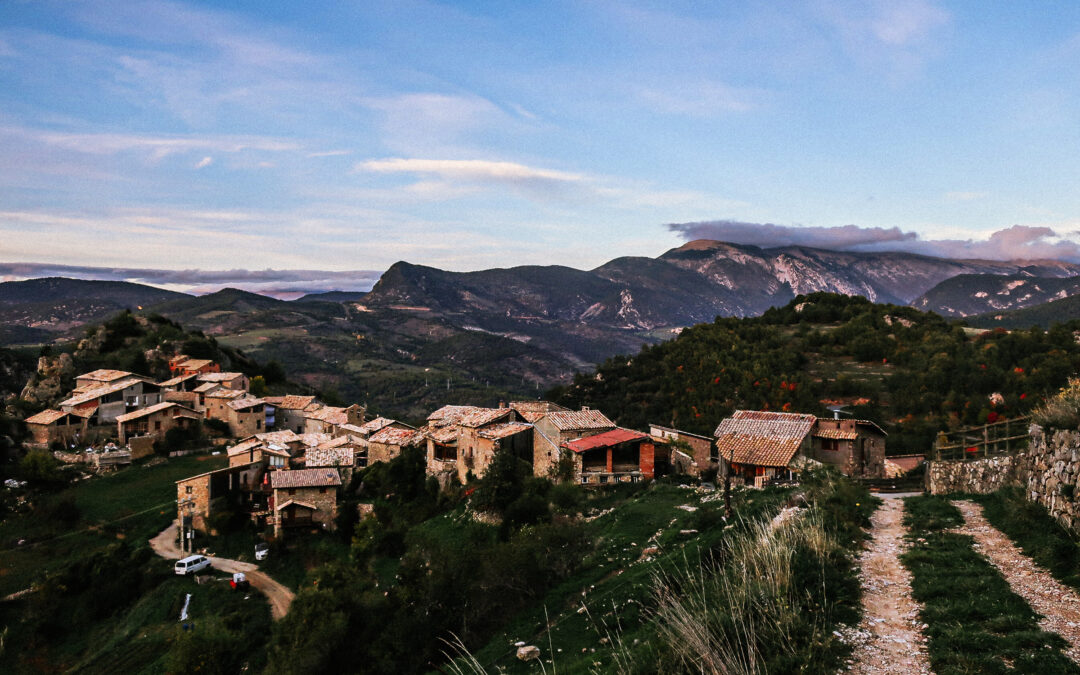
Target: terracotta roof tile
{"points": [[104, 375], [46, 417], [329, 457], [293, 402], [245, 403], [497, 431], [218, 377], [395, 436], [304, 478], [762, 438], [575, 420], [105, 389], [330, 415], [376, 424], [158, 407]]}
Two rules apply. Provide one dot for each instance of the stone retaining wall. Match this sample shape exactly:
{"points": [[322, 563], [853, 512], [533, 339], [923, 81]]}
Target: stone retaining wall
{"points": [[1047, 471]]}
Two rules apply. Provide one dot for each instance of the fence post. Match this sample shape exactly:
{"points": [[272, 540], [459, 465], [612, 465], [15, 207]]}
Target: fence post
{"points": [[1008, 437], [986, 440]]}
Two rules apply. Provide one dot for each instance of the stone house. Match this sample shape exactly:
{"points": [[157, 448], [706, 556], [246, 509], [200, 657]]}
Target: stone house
{"points": [[199, 497], [274, 455], [328, 419], [378, 424], [304, 498], [290, 412], [100, 378], [340, 453], [555, 428], [180, 383], [688, 453], [56, 426], [234, 381], [464, 439], [246, 416], [155, 421], [758, 446], [616, 456], [387, 443], [182, 364], [855, 447], [114, 398]]}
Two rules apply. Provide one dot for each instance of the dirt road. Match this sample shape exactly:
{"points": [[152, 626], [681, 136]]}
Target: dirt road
{"points": [[890, 635], [1059, 604], [280, 597]]}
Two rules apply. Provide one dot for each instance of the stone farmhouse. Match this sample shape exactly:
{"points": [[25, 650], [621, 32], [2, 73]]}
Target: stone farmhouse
{"points": [[304, 498], [463, 439], [758, 446], [615, 456], [553, 429]]}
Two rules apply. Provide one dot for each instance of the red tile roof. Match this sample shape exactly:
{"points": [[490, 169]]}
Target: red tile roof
{"points": [[330, 415], [605, 440], [304, 478], [293, 402], [762, 438]]}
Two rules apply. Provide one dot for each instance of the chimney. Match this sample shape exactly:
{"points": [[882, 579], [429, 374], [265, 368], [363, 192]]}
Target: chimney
{"points": [[836, 414], [584, 408], [502, 404]]}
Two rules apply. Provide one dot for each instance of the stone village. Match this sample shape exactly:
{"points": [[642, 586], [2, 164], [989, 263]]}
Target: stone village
{"points": [[288, 456]]}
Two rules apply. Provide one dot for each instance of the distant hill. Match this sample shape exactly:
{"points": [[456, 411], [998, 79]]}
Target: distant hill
{"points": [[333, 296], [57, 304], [1058, 311], [971, 294]]}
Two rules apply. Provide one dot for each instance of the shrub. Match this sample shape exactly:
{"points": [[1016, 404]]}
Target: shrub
{"points": [[1061, 411], [39, 465]]}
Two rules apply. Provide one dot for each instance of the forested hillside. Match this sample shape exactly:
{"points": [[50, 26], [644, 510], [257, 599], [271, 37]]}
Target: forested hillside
{"points": [[911, 371]]}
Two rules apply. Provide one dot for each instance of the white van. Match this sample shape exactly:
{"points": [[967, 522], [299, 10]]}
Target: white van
{"points": [[191, 564]]}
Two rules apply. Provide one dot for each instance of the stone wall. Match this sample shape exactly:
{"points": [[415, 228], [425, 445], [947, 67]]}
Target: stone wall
{"points": [[1047, 471]]}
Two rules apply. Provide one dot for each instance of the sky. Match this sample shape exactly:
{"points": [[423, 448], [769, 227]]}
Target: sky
{"points": [[340, 136]]}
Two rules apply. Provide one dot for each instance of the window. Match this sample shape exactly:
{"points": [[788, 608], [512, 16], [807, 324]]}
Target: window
{"points": [[258, 424], [322, 491], [187, 489], [292, 491], [157, 425]]}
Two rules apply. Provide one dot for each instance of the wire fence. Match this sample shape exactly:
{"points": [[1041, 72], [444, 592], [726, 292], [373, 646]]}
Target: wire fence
{"points": [[1004, 437]]}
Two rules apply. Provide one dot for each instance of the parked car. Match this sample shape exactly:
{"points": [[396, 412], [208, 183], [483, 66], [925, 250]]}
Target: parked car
{"points": [[262, 549], [239, 581], [191, 564]]}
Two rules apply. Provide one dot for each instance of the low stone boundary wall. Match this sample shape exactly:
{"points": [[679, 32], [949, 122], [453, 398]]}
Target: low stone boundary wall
{"points": [[1047, 471]]}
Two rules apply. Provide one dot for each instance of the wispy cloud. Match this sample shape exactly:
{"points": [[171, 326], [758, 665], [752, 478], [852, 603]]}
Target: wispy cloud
{"points": [[1019, 242], [204, 162], [701, 99]]}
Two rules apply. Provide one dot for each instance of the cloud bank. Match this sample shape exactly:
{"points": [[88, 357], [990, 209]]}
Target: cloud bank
{"points": [[1019, 242], [284, 284]]}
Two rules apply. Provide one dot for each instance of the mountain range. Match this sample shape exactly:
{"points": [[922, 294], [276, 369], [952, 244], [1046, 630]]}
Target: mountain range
{"points": [[421, 331]]}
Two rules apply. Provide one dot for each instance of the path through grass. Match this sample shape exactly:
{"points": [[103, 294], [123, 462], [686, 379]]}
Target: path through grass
{"points": [[976, 624]]}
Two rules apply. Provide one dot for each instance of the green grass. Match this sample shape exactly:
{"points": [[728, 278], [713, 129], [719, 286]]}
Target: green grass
{"points": [[976, 623], [615, 583], [137, 638], [132, 504], [1036, 532]]}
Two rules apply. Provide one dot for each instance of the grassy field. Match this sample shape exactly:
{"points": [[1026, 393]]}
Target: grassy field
{"points": [[601, 618], [976, 623], [132, 504]]}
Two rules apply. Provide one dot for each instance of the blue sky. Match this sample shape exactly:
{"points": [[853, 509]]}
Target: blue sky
{"points": [[346, 136]]}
